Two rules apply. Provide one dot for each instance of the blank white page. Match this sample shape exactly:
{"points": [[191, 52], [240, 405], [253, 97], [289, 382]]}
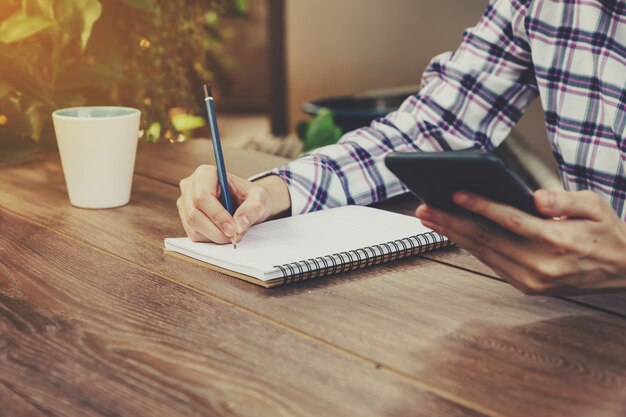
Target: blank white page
{"points": [[302, 237]]}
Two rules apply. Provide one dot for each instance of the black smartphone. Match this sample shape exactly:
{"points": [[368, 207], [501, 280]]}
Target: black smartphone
{"points": [[435, 176]]}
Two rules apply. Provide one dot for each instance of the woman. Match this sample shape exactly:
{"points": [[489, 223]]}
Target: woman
{"points": [[573, 56]]}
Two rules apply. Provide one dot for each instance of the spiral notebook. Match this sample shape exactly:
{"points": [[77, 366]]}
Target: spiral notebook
{"points": [[314, 245]]}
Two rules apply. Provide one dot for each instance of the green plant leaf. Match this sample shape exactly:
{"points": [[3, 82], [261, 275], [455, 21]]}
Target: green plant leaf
{"points": [[302, 128], [19, 75], [241, 6], [211, 18], [36, 116], [322, 131], [187, 122], [77, 17], [91, 11], [153, 133], [41, 7], [20, 26], [148, 5], [17, 122]]}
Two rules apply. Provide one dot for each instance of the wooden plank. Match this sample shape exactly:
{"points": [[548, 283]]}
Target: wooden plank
{"points": [[180, 160], [476, 338], [615, 302], [90, 334], [12, 405], [171, 162]]}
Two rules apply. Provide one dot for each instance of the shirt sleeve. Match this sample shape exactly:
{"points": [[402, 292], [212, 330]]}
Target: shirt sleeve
{"points": [[469, 99]]}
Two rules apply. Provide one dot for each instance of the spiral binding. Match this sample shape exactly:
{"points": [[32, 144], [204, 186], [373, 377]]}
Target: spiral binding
{"points": [[362, 257]]}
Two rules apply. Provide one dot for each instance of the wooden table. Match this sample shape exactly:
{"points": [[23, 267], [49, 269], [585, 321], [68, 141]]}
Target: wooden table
{"points": [[96, 320]]}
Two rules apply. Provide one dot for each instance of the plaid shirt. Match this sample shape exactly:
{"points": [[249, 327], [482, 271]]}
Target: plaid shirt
{"points": [[570, 53]]}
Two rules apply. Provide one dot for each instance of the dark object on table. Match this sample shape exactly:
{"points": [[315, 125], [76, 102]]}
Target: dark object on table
{"points": [[353, 112], [435, 177]]}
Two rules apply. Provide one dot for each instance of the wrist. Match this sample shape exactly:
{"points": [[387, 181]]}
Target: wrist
{"points": [[622, 223], [279, 197]]}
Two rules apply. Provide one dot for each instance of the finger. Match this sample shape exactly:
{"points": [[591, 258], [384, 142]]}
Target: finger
{"points": [[252, 209], [522, 280], [540, 270], [238, 188], [504, 266], [468, 224], [205, 200], [550, 231], [253, 203], [191, 234], [578, 205], [422, 208], [201, 223], [207, 178], [204, 174], [197, 220], [489, 236], [240, 236]]}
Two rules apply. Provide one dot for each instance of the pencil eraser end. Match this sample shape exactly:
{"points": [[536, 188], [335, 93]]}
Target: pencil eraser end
{"points": [[207, 91]]}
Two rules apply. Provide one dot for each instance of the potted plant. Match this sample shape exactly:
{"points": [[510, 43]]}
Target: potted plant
{"points": [[148, 54]]}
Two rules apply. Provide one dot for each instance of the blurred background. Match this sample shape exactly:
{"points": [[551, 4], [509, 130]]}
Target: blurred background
{"points": [[268, 60]]}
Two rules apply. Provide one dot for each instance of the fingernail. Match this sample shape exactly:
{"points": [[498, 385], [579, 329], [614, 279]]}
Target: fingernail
{"points": [[430, 225], [228, 229], [242, 223], [426, 214], [547, 199], [463, 199]]}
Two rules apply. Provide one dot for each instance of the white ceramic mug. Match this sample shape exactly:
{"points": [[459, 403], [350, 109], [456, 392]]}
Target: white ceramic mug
{"points": [[97, 147]]}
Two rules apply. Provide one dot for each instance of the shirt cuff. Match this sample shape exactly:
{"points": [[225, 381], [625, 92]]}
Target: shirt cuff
{"points": [[298, 201]]}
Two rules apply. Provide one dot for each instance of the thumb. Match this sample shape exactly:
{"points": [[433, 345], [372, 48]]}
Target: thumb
{"points": [[252, 210], [578, 205]]}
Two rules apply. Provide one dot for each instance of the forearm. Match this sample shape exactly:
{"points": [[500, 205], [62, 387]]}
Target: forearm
{"points": [[349, 173], [581, 252], [470, 101]]}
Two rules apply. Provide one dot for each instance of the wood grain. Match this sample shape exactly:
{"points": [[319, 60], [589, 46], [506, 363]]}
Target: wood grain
{"points": [[181, 160], [171, 162], [475, 338], [90, 334], [406, 204], [12, 405]]}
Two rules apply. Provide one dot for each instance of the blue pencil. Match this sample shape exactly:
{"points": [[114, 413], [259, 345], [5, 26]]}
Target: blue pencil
{"points": [[219, 157]]}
